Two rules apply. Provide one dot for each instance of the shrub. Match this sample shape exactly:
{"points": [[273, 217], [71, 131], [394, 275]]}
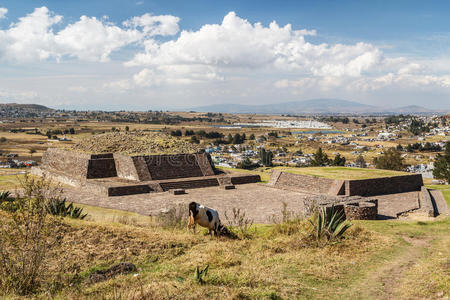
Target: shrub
{"points": [[329, 225], [27, 237]]}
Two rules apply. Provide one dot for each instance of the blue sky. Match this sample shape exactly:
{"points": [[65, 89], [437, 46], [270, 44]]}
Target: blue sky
{"points": [[178, 54]]}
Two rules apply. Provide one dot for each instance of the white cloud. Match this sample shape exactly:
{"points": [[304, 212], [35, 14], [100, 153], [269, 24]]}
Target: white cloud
{"points": [[236, 44], [93, 40], [163, 25], [232, 60], [3, 12], [32, 38]]}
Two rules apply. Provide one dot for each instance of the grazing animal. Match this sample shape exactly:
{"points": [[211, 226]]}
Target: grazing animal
{"points": [[205, 217]]}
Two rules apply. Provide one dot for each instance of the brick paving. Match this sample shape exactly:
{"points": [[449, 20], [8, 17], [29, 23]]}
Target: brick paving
{"points": [[258, 201]]}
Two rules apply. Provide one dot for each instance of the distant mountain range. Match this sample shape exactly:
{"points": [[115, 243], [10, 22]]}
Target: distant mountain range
{"points": [[313, 106]]}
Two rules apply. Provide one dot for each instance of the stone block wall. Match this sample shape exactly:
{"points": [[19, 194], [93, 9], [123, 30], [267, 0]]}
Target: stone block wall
{"points": [[384, 185], [363, 187], [364, 210], [101, 168], [68, 162], [306, 183], [244, 179]]}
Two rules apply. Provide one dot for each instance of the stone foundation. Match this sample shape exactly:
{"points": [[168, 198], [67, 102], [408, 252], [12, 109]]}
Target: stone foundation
{"points": [[363, 210]]}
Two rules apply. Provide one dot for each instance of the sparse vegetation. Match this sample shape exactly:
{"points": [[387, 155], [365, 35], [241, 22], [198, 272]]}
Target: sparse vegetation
{"points": [[28, 236]]}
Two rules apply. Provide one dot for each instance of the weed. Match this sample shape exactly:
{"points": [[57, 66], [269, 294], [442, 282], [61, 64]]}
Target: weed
{"points": [[239, 222]]}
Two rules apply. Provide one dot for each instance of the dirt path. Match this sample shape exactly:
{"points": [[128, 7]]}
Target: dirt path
{"points": [[384, 282]]}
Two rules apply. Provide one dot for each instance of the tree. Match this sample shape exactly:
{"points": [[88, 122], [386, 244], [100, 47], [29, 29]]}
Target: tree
{"points": [[252, 136], [320, 158], [360, 162], [399, 147], [266, 157], [339, 160], [390, 160], [127, 128], [442, 165], [72, 130], [229, 138], [176, 133], [195, 140], [32, 151], [247, 164]]}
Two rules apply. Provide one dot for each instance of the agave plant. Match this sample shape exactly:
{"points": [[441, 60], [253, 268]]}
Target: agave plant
{"points": [[5, 196], [200, 274], [7, 202], [329, 225], [58, 207]]}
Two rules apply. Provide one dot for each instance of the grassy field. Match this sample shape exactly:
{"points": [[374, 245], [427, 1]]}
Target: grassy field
{"points": [[376, 260]]}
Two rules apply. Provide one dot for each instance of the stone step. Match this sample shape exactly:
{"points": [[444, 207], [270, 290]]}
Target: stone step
{"points": [[439, 204]]}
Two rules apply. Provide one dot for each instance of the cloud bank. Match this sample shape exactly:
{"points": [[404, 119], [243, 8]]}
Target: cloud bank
{"points": [[234, 57]]}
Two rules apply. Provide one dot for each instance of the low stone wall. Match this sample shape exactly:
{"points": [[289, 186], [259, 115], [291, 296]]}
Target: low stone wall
{"points": [[363, 187], [425, 202], [384, 185], [364, 210], [244, 179]]}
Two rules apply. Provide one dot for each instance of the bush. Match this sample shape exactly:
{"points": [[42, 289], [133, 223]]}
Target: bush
{"points": [[27, 237]]}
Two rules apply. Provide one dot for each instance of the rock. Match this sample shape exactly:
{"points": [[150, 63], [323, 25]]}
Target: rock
{"points": [[121, 268]]}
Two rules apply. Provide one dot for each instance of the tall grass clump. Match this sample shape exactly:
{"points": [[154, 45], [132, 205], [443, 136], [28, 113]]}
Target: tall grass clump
{"points": [[292, 222], [239, 223], [28, 235]]}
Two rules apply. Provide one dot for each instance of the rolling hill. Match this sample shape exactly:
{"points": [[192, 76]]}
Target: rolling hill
{"points": [[313, 106]]}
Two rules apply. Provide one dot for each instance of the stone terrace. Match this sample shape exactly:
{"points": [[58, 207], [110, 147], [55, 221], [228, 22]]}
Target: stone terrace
{"points": [[258, 201]]}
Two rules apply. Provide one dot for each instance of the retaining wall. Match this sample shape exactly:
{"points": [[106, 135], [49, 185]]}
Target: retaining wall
{"points": [[384, 185], [68, 162], [363, 187]]}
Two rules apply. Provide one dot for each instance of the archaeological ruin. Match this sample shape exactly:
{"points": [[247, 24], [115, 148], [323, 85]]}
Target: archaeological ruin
{"points": [[107, 180], [114, 174]]}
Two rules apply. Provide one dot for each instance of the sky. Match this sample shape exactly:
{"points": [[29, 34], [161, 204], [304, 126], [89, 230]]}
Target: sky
{"points": [[179, 54]]}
